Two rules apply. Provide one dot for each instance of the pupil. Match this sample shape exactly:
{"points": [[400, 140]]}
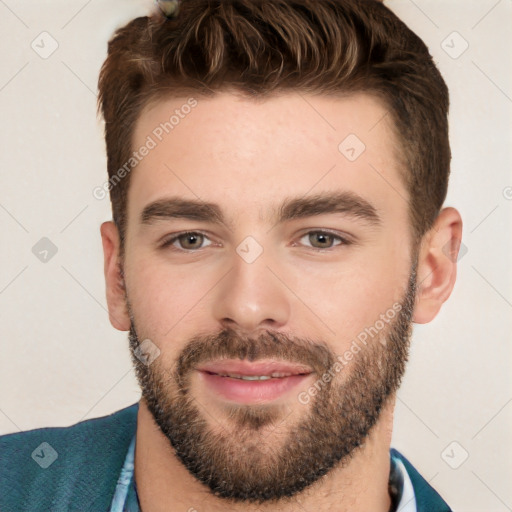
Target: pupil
{"points": [[191, 240], [322, 239]]}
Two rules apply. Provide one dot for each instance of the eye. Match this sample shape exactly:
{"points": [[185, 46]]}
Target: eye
{"points": [[189, 241], [322, 240]]}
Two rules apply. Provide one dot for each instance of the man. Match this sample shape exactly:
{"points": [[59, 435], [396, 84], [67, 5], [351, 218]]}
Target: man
{"points": [[277, 172]]}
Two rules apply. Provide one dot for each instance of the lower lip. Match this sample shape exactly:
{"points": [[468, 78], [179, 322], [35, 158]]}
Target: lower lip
{"points": [[251, 391]]}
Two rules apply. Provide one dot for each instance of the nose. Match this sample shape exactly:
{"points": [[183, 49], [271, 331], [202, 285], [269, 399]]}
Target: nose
{"points": [[250, 297]]}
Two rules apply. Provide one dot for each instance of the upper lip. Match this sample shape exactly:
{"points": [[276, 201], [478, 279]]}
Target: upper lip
{"points": [[267, 367]]}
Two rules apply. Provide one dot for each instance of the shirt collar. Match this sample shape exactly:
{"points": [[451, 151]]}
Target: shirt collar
{"points": [[399, 479], [126, 499]]}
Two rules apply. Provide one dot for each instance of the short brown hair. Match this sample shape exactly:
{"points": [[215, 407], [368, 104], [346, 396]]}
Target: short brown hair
{"points": [[262, 46]]}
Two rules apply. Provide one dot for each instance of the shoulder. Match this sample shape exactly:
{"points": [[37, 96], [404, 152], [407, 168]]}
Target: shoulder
{"points": [[65, 468], [427, 498]]}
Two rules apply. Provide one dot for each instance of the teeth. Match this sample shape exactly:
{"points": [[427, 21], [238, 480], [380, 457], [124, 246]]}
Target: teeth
{"points": [[255, 377]]}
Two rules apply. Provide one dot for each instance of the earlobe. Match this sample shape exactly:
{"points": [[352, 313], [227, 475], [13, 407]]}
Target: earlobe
{"points": [[437, 265], [114, 278]]}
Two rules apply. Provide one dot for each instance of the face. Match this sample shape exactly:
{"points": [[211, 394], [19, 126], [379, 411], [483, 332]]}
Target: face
{"points": [[269, 268]]}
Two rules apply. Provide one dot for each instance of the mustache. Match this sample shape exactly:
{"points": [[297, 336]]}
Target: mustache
{"points": [[229, 344]]}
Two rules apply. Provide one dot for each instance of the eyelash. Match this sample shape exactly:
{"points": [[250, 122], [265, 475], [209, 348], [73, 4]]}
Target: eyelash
{"points": [[342, 241], [168, 243]]}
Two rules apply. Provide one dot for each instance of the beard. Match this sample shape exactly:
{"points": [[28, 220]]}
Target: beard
{"points": [[251, 453]]}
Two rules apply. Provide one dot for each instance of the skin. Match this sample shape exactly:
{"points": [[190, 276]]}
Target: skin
{"points": [[247, 157]]}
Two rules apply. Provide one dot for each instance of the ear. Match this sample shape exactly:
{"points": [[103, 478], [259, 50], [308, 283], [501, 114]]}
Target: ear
{"points": [[437, 265], [114, 280]]}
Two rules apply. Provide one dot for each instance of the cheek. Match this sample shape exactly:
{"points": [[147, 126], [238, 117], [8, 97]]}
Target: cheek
{"points": [[347, 298], [165, 299]]}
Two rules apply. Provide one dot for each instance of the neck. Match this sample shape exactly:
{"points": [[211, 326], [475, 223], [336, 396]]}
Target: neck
{"points": [[163, 483]]}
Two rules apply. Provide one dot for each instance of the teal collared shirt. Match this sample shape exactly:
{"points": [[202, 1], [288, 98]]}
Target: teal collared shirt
{"points": [[126, 499], [86, 466]]}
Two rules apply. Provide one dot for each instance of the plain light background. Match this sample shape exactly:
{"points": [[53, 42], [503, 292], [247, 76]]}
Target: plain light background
{"points": [[61, 360]]}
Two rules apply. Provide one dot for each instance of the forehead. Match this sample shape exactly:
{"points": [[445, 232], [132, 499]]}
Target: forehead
{"points": [[233, 149]]}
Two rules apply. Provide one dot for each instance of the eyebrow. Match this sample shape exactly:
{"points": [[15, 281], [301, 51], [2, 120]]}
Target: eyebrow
{"points": [[347, 203]]}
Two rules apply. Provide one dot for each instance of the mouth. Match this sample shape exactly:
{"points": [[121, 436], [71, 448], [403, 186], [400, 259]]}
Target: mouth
{"points": [[252, 382]]}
